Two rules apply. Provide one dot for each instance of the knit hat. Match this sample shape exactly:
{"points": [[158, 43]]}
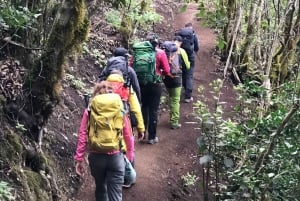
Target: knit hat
{"points": [[120, 51]]}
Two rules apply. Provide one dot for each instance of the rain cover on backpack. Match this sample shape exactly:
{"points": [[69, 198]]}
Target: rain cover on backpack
{"points": [[171, 51], [105, 122]]}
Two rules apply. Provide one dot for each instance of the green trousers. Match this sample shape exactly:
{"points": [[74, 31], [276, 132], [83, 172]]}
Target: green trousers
{"points": [[174, 104]]}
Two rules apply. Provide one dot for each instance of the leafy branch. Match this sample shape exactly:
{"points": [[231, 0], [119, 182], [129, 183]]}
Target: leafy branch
{"points": [[274, 137]]}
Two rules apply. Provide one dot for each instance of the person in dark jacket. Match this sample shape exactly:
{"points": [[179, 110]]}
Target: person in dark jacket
{"points": [[178, 59], [187, 74], [120, 55]]}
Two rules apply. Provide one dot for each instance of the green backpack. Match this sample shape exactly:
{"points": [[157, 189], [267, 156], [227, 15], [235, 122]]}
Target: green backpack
{"points": [[144, 63]]}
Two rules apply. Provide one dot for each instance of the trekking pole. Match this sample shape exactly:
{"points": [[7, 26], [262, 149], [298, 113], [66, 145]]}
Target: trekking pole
{"points": [[86, 100], [197, 55]]}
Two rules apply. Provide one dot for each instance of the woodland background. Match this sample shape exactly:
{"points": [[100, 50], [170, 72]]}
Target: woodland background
{"points": [[253, 155]]}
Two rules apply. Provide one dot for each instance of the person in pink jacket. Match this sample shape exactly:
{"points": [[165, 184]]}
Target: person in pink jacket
{"points": [[106, 168]]}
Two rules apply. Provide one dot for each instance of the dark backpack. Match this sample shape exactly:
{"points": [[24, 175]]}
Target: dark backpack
{"points": [[144, 62], [170, 47], [187, 36], [116, 63]]}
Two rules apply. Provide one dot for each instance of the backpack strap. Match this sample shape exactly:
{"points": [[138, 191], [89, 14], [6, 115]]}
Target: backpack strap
{"points": [[127, 82]]}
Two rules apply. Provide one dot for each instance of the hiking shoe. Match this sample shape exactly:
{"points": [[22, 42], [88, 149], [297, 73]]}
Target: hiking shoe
{"points": [[188, 100], [127, 185], [175, 126], [153, 141]]}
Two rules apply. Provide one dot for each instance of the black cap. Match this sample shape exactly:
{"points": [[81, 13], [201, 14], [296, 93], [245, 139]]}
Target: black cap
{"points": [[178, 38], [152, 38], [120, 51]]}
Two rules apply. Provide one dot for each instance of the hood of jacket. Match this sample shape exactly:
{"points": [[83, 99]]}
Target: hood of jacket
{"points": [[115, 78]]}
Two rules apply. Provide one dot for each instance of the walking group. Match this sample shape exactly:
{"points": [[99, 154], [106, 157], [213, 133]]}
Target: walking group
{"points": [[126, 97]]}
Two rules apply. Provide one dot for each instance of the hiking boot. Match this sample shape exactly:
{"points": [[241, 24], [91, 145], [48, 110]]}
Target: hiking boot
{"points": [[188, 100], [175, 126], [153, 141]]}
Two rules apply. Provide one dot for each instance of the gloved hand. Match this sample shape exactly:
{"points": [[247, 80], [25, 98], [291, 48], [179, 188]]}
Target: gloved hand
{"points": [[141, 136]]}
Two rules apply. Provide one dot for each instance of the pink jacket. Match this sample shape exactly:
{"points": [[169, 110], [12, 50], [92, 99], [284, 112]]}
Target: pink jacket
{"points": [[162, 62], [83, 136]]}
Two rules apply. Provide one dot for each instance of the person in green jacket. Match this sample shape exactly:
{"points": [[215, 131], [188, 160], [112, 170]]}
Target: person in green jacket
{"points": [[178, 59]]}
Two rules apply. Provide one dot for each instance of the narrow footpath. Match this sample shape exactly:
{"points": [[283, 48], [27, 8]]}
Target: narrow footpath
{"points": [[160, 166]]}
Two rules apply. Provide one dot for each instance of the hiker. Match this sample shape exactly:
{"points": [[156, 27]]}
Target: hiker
{"points": [[107, 167], [131, 102], [120, 61], [178, 60], [191, 45], [106, 160], [150, 63]]}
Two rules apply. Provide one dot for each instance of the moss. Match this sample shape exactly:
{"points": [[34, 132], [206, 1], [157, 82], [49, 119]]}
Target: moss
{"points": [[2, 99], [14, 140], [11, 148], [69, 30], [2, 103], [36, 185]]}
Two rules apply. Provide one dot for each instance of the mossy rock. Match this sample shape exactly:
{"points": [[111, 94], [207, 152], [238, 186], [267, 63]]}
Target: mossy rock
{"points": [[12, 148]]}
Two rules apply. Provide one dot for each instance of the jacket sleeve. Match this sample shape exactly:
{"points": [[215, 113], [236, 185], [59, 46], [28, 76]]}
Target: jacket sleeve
{"points": [[196, 43], [128, 139], [82, 137], [103, 75], [162, 63], [136, 109], [185, 58], [135, 83]]}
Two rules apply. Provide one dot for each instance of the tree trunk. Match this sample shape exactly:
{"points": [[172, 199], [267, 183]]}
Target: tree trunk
{"points": [[291, 38], [42, 85], [250, 34]]}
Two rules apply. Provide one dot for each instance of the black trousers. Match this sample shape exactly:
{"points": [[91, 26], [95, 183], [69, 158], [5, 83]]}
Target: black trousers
{"points": [[187, 80], [150, 95]]}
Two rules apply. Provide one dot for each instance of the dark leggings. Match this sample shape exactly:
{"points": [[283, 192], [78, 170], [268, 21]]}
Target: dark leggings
{"points": [[108, 172], [151, 94]]}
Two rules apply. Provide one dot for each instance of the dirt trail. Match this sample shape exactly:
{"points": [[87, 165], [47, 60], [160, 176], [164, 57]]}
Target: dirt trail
{"points": [[160, 166]]}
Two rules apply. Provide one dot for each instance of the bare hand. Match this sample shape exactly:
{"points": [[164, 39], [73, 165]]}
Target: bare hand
{"points": [[79, 168], [141, 136]]}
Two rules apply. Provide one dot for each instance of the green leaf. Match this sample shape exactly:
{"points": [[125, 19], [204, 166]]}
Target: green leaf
{"points": [[228, 162], [271, 175], [200, 141], [221, 44], [204, 160], [201, 144], [288, 144], [183, 8]]}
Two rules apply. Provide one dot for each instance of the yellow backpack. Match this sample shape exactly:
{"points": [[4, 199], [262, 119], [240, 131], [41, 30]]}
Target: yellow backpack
{"points": [[106, 123]]}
